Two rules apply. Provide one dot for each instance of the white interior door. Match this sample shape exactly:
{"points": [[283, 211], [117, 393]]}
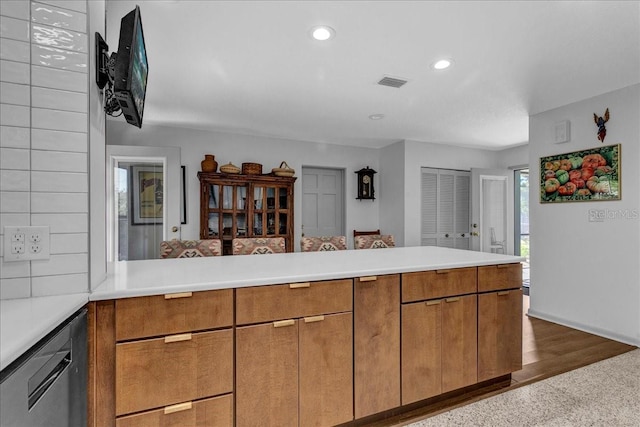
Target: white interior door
{"points": [[445, 208], [322, 202], [143, 200], [492, 210]]}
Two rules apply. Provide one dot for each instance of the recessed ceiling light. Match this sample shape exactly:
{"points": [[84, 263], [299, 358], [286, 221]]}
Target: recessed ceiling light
{"points": [[376, 116], [442, 64], [322, 32]]}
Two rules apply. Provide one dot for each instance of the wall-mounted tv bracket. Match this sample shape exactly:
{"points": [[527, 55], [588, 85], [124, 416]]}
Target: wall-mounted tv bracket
{"points": [[105, 71]]}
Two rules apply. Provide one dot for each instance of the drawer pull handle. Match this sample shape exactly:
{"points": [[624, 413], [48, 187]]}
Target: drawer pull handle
{"points": [[178, 295], [282, 323], [177, 338], [434, 302], [313, 319], [442, 271], [299, 285], [455, 299], [503, 293], [369, 278], [177, 408]]}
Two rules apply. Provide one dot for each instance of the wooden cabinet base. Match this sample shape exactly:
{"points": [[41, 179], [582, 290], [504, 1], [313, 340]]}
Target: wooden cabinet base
{"points": [[214, 412]]}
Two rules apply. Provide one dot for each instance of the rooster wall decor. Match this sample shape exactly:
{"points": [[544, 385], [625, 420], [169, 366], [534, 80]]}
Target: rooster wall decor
{"points": [[600, 121]]}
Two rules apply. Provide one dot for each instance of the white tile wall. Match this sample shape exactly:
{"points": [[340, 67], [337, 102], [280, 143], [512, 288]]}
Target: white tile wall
{"points": [[59, 202], [11, 180], [14, 137], [44, 139], [60, 15], [44, 118], [14, 158], [12, 28], [58, 181], [60, 284], [71, 243], [15, 72], [58, 79], [44, 78], [14, 50], [58, 161], [15, 9], [12, 93], [14, 115], [13, 220], [62, 223], [15, 288], [59, 99]]}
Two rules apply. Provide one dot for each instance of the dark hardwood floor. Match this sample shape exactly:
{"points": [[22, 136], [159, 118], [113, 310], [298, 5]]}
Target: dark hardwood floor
{"points": [[548, 349]]}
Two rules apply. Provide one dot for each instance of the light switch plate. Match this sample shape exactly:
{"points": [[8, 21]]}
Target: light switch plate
{"points": [[26, 243]]}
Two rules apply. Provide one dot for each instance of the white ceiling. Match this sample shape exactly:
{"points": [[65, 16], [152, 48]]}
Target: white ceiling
{"points": [[251, 66]]}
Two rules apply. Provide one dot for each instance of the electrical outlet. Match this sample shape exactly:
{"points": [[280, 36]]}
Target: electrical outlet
{"points": [[26, 243]]}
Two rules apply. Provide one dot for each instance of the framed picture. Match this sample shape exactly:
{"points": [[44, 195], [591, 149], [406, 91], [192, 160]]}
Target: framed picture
{"points": [[147, 194], [581, 176], [183, 195]]}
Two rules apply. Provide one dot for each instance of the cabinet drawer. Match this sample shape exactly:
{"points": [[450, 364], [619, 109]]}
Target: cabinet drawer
{"points": [[424, 285], [177, 368], [160, 315], [501, 276], [215, 412], [267, 303]]}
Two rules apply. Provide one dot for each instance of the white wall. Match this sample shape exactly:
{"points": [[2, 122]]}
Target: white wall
{"points": [[586, 274], [270, 152], [390, 189], [43, 141], [513, 158], [97, 161]]}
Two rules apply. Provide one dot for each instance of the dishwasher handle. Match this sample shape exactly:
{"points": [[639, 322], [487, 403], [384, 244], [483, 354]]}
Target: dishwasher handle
{"points": [[48, 381]]}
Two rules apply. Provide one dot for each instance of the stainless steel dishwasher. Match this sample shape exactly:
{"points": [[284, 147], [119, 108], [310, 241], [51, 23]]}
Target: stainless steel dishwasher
{"points": [[47, 386]]}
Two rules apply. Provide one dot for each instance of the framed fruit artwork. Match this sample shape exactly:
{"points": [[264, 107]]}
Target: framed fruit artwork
{"points": [[586, 175]]}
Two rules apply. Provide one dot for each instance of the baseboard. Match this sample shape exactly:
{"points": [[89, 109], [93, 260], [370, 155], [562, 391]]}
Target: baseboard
{"points": [[585, 328]]}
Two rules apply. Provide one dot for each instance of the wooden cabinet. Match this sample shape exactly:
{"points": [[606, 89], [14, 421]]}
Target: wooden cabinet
{"points": [[301, 354], [245, 206], [168, 314], [499, 333], [162, 360], [376, 344], [296, 371], [174, 369], [439, 336], [213, 412], [499, 320]]}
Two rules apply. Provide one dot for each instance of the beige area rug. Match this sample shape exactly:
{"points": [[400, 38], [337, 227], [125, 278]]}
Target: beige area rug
{"points": [[606, 393]]}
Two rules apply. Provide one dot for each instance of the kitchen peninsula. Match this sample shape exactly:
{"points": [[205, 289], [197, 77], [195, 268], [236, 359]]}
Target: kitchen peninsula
{"points": [[321, 338]]}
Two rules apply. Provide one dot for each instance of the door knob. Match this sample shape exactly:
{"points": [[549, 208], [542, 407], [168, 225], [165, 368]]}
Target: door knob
{"points": [[174, 229], [475, 233]]}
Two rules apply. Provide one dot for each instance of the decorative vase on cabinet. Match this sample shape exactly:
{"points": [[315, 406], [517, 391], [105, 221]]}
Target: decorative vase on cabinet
{"points": [[209, 163]]}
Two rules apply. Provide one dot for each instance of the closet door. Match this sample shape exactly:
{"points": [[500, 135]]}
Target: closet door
{"points": [[445, 208]]}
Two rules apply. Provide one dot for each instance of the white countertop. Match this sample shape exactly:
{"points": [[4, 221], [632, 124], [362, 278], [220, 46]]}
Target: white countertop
{"points": [[159, 276], [25, 321]]}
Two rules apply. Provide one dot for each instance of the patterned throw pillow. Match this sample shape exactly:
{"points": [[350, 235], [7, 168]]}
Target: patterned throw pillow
{"points": [[323, 243], [374, 241], [190, 248], [258, 246]]}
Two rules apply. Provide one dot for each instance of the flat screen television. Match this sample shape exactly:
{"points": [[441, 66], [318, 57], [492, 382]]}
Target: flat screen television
{"points": [[131, 68]]}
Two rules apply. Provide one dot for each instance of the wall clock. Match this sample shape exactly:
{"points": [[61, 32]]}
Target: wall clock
{"points": [[365, 184]]}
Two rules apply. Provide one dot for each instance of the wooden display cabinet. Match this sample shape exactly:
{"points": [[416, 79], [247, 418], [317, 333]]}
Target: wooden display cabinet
{"points": [[245, 206]]}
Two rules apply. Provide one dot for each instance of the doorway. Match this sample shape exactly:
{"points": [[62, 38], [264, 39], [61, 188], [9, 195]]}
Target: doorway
{"points": [[143, 200], [521, 223], [322, 202]]}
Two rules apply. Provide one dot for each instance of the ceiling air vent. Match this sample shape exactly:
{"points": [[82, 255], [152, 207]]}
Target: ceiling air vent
{"points": [[392, 82]]}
